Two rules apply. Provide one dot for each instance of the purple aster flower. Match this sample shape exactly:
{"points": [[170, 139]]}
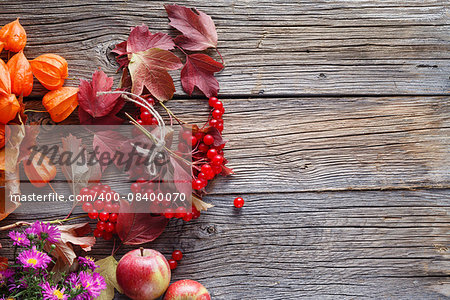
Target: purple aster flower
{"points": [[6, 275], [87, 262], [46, 231], [19, 239], [93, 283], [53, 293], [34, 259]]}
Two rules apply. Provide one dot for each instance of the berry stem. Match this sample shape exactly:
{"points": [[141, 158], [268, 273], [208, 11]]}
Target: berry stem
{"points": [[14, 225], [142, 251], [172, 114], [217, 50], [59, 221]]}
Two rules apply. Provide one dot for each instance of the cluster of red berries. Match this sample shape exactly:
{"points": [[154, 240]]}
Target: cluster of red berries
{"points": [[177, 255], [100, 205], [207, 154], [146, 118], [169, 209]]}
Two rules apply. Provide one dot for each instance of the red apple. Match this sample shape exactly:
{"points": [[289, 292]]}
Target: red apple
{"points": [[187, 290], [143, 274]]}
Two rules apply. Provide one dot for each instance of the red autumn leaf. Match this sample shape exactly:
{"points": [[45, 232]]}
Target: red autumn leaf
{"points": [[141, 39], [107, 142], [149, 69], [181, 177], [199, 31], [138, 228], [199, 72], [98, 105]]}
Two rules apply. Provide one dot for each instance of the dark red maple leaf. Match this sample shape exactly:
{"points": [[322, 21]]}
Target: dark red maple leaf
{"points": [[98, 109], [98, 105], [138, 228], [149, 69], [141, 39], [199, 72], [199, 31]]}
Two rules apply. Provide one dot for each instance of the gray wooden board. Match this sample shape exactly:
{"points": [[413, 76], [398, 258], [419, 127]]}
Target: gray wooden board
{"points": [[330, 182], [270, 47], [355, 244]]}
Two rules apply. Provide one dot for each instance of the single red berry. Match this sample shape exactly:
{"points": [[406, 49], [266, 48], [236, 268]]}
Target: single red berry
{"points": [[113, 217], [99, 204], [193, 141], [135, 187], [217, 169], [186, 135], [155, 121], [98, 233], [180, 212], [142, 109], [104, 216], [206, 168], [146, 117], [202, 176], [93, 214], [217, 114], [208, 139], [199, 135], [204, 183], [218, 104], [169, 213], [238, 202], [197, 184], [203, 148], [140, 122], [211, 153], [107, 236], [217, 160], [109, 227], [141, 180], [108, 208], [177, 255], [115, 208], [151, 101], [219, 127], [187, 217], [101, 225], [212, 100], [87, 207], [107, 187], [96, 188], [172, 264], [84, 191], [213, 122]]}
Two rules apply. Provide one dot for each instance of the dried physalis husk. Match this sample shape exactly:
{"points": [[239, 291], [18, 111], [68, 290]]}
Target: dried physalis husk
{"points": [[2, 136], [39, 170], [9, 107], [50, 69], [13, 36], [21, 75], [61, 103], [5, 80]]}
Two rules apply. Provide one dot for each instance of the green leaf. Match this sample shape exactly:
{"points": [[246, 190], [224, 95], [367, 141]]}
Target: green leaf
{"points": [[107, 268]]}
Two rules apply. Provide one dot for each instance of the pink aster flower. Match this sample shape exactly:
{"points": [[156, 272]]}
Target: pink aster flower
{"points": [[6, 275], [87, 262], [46, 231], [93, 283], [19, 239], [34, 259], [53, 293]]}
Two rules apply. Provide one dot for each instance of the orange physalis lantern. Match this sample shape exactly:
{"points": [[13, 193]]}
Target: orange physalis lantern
{"points": [[2, 136], [9, 107], [5, 80], [39, 170], [50, 70], [61, 103], [13, 36], [21, 75]]}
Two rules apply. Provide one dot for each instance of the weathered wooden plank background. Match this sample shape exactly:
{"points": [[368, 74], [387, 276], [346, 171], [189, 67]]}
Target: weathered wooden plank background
{"points": [[338, 120]]}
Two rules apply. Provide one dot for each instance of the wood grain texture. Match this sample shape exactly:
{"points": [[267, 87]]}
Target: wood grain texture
{"points": [[319, 144], [346, 245], [270, 47]]}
